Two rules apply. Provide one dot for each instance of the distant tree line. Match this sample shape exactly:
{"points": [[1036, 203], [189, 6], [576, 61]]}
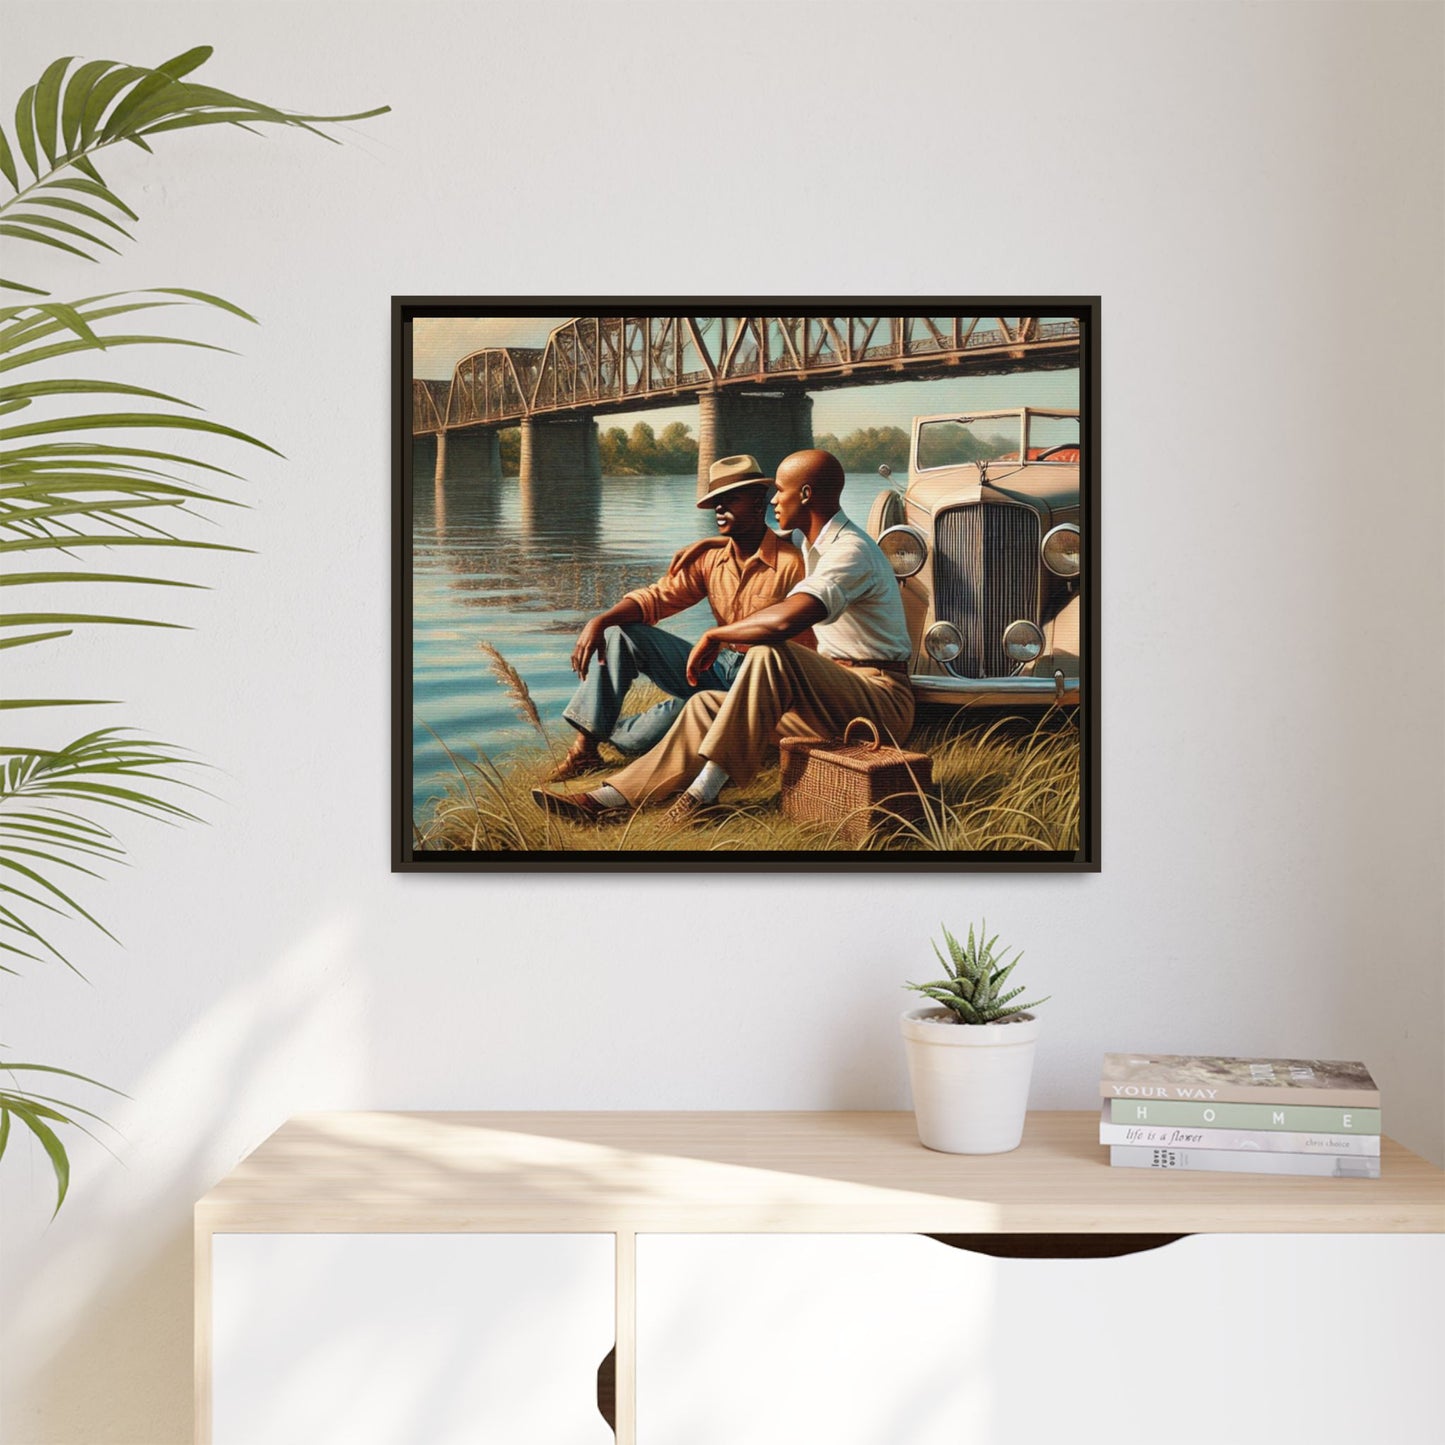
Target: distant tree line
{"points": [[643, 452], [638, 453], [868, 448]]}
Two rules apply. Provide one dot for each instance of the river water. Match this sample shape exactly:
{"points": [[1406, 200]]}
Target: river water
{"points": [[522, 568]]}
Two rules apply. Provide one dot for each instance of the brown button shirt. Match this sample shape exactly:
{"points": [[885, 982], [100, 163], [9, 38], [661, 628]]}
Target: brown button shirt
{"points": [[734, 588]]}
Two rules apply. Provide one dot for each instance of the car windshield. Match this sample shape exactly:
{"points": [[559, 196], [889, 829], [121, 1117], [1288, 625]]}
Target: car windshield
{"points": [[1053, 438], [967, 439]]}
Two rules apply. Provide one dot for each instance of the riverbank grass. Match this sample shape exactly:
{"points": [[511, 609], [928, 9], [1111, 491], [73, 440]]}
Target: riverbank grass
{"points": [[1004, 784]]}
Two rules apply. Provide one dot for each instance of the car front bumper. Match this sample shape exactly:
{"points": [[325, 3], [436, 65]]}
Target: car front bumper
{"points": [[995, 691]]}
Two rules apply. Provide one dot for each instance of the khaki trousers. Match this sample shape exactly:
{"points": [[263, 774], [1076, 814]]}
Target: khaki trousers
{"points": [[786, 691]]}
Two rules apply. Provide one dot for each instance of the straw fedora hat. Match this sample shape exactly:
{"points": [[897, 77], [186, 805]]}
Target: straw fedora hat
{"points": [[727, 474]]}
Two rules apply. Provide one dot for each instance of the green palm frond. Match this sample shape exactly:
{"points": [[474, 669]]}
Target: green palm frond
{"points": [[43, 837], [70, 115], [87, 479], [66, 490], [39, 1113]]}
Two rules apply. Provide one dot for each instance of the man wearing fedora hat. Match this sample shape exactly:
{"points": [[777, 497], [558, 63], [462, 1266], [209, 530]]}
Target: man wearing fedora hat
{"points": [[747, 566]]}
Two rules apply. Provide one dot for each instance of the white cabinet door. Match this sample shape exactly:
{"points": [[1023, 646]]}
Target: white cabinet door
{"points": [[900, 1340], [787, 1339], [393, 1339]]}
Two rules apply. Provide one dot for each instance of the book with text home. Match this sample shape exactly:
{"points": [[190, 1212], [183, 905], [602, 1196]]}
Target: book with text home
{"points": [[1205, 1136], [1256, 1081], [1301, 1118], [1234, 1161]]}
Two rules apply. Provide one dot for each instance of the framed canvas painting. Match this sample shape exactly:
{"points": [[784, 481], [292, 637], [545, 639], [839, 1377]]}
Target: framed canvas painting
{"points": [[744, 583]]}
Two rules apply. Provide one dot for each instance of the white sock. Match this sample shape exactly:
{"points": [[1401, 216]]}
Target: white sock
{"points": [[708, 783], [609, 797]]}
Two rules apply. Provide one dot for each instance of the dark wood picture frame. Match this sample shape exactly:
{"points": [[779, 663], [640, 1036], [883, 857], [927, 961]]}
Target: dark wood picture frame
{"points": [[1029, 323]]}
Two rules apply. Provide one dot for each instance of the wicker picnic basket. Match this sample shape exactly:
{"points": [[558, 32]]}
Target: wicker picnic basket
{"points": [[855, 789]]}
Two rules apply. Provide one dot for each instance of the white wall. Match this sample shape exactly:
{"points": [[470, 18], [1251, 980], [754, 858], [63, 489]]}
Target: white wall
{"points": [[1256, 193]]}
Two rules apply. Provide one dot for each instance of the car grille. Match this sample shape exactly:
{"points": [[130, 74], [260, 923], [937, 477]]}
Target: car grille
{"points": [[986, 575]]}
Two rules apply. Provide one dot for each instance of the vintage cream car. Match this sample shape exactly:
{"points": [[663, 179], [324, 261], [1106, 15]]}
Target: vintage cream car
{"points": [[988, 551]]}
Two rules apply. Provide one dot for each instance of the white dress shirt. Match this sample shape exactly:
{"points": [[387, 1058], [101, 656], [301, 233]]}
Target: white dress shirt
{"points": [[848, 574]]}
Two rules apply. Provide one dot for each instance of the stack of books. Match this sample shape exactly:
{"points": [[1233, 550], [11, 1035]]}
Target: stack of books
{"points": [[1245, 1116]]}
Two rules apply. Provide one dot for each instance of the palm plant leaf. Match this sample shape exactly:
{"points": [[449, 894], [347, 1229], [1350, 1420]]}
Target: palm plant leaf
{"points": [[30, 1114], [40, 1112], [47, 105], [73, 484], [23, 233], [25, 129], [61, 491], [79, 208], [48, 578], [11, 1066], [30, 391], [91, 188], [29, 639], [112, 421], [82, 81], [14, 704], [71, 115], [7, 163], [31, 619], [106, 768]]}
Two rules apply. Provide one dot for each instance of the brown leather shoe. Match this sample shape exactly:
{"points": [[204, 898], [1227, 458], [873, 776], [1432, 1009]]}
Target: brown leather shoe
{"points": [[575, 807], [685, 811], [579, 760]]}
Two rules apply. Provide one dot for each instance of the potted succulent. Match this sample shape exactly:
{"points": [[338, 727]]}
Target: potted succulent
{"points": [[971, 1057]]}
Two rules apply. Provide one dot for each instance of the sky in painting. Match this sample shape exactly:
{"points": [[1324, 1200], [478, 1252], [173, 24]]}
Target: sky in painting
{"points": [[438, 343]]}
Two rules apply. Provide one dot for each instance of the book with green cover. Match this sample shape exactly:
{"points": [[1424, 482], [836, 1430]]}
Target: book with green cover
{"points": [[1240, 1081], [1303, 1117], [1224, 1136]]}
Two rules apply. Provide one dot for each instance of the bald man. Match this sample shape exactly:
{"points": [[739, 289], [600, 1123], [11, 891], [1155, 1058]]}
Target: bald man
{"points": [[849, 596]]}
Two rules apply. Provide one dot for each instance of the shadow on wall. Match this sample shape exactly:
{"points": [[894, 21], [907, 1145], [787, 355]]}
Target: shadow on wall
{"points": [[100, 1339]]}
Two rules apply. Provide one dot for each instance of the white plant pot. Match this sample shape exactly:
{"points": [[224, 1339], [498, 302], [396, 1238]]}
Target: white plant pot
{"points": [[970, 1081]]}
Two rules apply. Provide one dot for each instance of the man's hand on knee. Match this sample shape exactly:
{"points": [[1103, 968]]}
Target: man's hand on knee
{"points": [[589, 644]]}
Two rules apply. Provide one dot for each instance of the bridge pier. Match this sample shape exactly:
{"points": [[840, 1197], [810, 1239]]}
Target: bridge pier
{"points": [[469, 455], [424, 455], [561, 449], [766, 424]]}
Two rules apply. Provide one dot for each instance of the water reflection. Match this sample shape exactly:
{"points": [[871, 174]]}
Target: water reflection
{"points": [[560, 509]]}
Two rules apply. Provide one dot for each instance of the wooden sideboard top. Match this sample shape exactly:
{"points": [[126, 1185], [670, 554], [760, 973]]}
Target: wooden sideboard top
{"points": [[745, 1172]]}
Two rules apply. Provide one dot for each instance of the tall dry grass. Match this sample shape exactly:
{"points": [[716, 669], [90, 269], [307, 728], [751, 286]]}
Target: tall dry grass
{"points": [[514, 685], [1003, 784]]}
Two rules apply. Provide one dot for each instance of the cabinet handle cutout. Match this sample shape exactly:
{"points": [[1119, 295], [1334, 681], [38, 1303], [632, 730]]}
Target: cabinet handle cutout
{"points": [[1056, 1246], [607, 1389]]}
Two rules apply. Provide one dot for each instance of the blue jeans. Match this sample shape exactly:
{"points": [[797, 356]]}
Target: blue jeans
{"points": [[637, 649]]}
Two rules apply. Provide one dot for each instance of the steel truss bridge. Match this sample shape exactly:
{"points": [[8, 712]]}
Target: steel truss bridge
{"points": [[629, 363]]}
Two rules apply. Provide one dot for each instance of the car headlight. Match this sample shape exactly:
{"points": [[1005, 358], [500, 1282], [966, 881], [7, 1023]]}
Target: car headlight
{"points": [[906, 549], [1061, 549], [1023, 640], [943, 642]]}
